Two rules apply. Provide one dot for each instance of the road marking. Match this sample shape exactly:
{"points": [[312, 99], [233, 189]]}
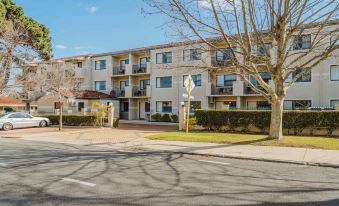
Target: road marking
{"points": [[78, 181], [220, 163], [3, 165]]}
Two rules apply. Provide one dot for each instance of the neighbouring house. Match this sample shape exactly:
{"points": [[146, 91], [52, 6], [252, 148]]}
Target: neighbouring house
{"points": [[15, 104], [76, 102]]}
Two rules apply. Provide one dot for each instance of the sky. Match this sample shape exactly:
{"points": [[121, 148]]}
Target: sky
{"points": [[94, 26]]}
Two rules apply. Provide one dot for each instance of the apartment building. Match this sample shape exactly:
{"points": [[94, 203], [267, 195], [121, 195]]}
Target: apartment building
{"points": [[150, 80]]}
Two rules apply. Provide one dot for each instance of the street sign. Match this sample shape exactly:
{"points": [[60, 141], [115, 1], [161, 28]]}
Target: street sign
{"points": [[186, 83], [186, 96]]}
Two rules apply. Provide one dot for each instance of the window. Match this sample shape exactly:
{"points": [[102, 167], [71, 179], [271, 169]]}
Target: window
{"points": [[263, 105], [196, 79], [124, 106], [225, 55], [17, 115], [164, 82], [225, 80], [100, 65], [194, 105], [306, 77], [147, 107], [334, 102], [165, 106], [192, 54], [79, 64], [334, 39], [302, 42], [124, 84], [123, 63], [100, 85], [260, 51], [144, 83], [143, 62], [334, 72], [297, 104], [264, 75], [163, 58]]}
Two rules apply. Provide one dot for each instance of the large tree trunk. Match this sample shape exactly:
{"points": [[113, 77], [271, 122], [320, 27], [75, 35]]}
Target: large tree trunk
{"points": [[276, 119]]}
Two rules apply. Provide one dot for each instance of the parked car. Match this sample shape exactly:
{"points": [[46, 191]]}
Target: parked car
{"points": [[14, 120]]}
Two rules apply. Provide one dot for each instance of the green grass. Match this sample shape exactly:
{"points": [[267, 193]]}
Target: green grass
{"points": [[250, 139]]}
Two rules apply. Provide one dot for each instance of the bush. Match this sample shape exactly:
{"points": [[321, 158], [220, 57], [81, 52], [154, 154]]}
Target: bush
{"points": [[292, 120], [9, 109], [116, 122], [72, 120], [166, 118], [174, 118], [156, 117]]}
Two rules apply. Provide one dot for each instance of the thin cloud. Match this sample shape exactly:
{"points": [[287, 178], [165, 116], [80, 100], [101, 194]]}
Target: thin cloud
{"points": [[60, 46], [92, 9], [80, 47]]}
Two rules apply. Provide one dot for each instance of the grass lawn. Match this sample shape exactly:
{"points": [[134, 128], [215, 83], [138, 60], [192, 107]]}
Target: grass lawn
{"points": [[251, 139]]}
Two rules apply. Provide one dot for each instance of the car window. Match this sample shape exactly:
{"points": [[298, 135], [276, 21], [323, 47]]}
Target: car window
{"points": [[16, 115], [2, 115], [27, 116]]}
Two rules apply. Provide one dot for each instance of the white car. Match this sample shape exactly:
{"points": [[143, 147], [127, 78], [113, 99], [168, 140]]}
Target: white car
{"points": [[14, 120]]}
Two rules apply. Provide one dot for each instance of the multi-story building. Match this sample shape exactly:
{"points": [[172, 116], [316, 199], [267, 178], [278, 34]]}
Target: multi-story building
{"points": [[150, 80]]}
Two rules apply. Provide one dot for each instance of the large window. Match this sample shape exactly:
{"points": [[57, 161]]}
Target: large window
{"points": [[164, 106], [164, 82], [297, 104], [302, 42], [334, 72], [100, 65], [260, 50], [334, 39], [192, 54], [124, 84], [123, 63], [100, 85], [124, 106], [225, 80], [163, 58], [144, 83], [194, 105], [264, 75], [224, 55], [304, 76], [334, 102], [196, 79]]}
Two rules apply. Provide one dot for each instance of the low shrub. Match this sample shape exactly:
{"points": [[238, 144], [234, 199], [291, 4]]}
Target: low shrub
{"points": [[175, 118], [156, 117], [166, 118], [72, 120], [9, 109], [297, 121]]}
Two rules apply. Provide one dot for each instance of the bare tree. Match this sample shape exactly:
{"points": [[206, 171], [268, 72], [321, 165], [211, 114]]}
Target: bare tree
{"points": [[55, 79], [284, 39]]}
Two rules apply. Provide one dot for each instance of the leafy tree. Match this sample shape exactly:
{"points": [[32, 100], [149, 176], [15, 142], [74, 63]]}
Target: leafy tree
{"points": [[22, 39]]}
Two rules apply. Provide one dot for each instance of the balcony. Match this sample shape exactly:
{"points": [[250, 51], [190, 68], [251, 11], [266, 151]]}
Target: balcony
{"points": [[224, 90], [119, 70], [138, 92], [139, 69], [117, 92], [222, 63]]}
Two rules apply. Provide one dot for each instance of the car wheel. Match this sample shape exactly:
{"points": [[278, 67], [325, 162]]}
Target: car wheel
{"points": [[7, 126], [43, 123]]}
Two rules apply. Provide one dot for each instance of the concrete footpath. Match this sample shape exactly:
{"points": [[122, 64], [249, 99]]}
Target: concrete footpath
{"points": [[130, 137]]}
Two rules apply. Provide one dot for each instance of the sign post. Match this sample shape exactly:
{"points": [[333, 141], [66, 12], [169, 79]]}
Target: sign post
{"points": [[189, 84]]}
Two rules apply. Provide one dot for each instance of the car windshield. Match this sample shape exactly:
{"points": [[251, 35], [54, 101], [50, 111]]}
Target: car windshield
{"points": [[2, 115]]}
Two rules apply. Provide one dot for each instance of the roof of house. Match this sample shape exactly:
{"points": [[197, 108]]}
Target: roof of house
{"points": [[8, 101], [85, 94]]}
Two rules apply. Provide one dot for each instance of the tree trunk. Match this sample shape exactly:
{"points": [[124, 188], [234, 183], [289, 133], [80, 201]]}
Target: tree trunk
{"points": [[60, 115], [276, 119]]}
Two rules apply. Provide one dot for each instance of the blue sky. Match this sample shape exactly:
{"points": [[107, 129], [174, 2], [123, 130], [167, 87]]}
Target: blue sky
{"points": [[93, 26]]}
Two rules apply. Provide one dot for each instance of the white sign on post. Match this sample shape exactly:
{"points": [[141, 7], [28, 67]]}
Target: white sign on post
{"points": [[186, 83]]}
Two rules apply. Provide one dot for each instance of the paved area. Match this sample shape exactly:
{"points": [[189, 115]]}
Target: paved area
{"points": [[45, 173]]}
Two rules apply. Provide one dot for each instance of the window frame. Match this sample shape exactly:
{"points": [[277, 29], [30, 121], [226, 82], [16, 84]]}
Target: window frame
{"points": [[224, 80], [159, 86], [162, 108], [100, 65], [95, 85], [195, 54], [333, 80], [298, 80], [164, 57], [196, 75], [295, 48]]}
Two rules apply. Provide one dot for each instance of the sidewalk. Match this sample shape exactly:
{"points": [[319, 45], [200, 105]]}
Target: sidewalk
{"points": [[263, 153]]}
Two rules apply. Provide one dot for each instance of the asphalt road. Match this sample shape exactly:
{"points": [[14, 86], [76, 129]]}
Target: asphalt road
{"points": [[38, 173]]}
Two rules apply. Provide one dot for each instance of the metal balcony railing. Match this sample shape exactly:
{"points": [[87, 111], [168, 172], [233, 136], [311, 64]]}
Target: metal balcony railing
{"points": [[138, 92], [117, 92], [142, 68], [222, 63], [224, 90], [119, 70]]}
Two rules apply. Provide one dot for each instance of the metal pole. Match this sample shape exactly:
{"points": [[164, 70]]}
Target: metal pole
{"points": [[188, 105]]}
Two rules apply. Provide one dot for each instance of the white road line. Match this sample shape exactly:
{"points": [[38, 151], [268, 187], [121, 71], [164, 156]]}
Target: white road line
{"points": [[78, 181], [3, 165], [220, 163]]}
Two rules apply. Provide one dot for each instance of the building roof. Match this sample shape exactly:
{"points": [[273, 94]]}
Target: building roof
{"points": [[8, 101], [85, 94]]}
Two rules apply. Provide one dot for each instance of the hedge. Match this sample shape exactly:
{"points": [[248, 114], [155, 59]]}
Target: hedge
{"points": [[292, 120], [72, 120]]}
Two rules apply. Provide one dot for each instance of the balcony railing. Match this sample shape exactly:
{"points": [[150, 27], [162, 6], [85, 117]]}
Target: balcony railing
{"points": [[222, 63], [224, 90], [137, 69], [138, 92], [117, 92], [119, 70]]}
